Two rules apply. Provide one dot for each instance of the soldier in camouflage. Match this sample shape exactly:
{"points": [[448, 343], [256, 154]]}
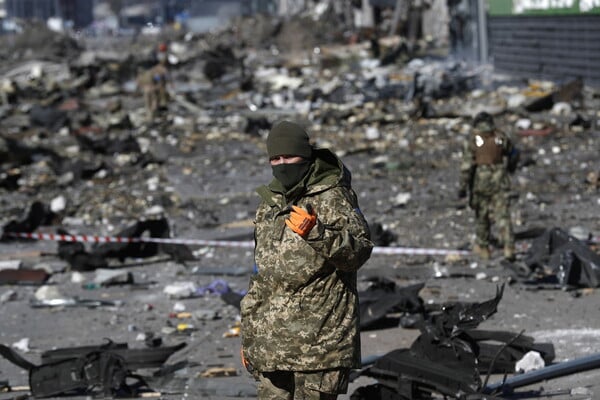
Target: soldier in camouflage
{"points": [[153, 84], [488, 156], [300, 327]]}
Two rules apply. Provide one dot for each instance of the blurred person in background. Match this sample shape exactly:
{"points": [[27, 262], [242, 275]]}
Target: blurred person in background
{"points": [[153, 84], [488, 157]]}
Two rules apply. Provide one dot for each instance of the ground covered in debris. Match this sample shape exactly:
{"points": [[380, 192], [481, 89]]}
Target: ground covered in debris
{"points": [[75, 137]]}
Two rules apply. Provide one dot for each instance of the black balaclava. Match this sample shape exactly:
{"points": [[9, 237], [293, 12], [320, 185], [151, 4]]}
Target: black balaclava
{"points": [[289, 138], [290, 174]]}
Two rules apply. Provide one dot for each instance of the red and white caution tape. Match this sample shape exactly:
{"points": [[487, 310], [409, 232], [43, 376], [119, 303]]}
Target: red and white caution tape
{"points": [[211, 243], [418, 251], [116, 239]]}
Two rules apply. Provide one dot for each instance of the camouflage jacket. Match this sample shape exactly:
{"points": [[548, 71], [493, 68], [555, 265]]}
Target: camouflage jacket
{"points": [[301, 309], [153, 78], [485, 179]]}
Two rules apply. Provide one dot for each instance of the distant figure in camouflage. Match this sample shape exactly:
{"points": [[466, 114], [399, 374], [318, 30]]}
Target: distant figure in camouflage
{"points": [[153, 83], [300, 317], [488, 156]]}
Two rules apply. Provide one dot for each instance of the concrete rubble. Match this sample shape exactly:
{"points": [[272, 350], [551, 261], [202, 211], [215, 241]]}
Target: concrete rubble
{"points": [[79, 156]]}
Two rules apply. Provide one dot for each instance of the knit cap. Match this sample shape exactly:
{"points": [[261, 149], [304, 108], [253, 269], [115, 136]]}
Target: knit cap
{"points": [[288, 138]]}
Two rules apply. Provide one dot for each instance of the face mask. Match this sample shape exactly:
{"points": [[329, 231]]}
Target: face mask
{"points": [[290, 174], [484, 127]]}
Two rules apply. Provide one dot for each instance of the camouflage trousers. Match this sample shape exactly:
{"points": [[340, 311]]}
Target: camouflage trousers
{"points": [[493, 209], [155, 97], [302, 385]]}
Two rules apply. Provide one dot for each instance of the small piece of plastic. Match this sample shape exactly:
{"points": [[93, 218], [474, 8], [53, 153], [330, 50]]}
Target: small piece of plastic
{"points": [[531, 361]]}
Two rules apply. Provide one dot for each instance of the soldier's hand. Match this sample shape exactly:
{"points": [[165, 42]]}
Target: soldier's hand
{"points": [[462, 193], [301, 221]]}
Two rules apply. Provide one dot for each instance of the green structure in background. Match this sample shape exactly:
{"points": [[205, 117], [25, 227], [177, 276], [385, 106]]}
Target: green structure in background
{"points": [[543, 7]]}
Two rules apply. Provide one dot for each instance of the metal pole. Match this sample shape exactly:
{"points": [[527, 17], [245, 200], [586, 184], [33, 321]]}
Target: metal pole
{"points": [[396, 17], [483, 36], [552, 371], [58, 10]]}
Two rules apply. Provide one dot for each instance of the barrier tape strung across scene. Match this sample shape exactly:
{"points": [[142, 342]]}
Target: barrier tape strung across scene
{"points": [[418, 251], [211, 243], [116, 239]]}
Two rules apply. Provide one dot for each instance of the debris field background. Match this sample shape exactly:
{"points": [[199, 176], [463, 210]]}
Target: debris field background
{"points": [[199, 163]]}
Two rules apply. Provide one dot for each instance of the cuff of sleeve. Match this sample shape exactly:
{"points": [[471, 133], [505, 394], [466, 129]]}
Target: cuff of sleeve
{"points": [[317, 231]]}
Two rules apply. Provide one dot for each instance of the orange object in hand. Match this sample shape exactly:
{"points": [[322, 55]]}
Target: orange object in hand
{"points": [[301, 221]]}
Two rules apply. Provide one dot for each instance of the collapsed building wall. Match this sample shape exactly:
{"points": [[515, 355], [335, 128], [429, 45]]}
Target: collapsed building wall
{"points": [[435, 22]]}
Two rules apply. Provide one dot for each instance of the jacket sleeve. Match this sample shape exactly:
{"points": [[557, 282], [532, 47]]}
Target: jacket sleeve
{"points": [[341, 234], [511, 153], [467, 163]]}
